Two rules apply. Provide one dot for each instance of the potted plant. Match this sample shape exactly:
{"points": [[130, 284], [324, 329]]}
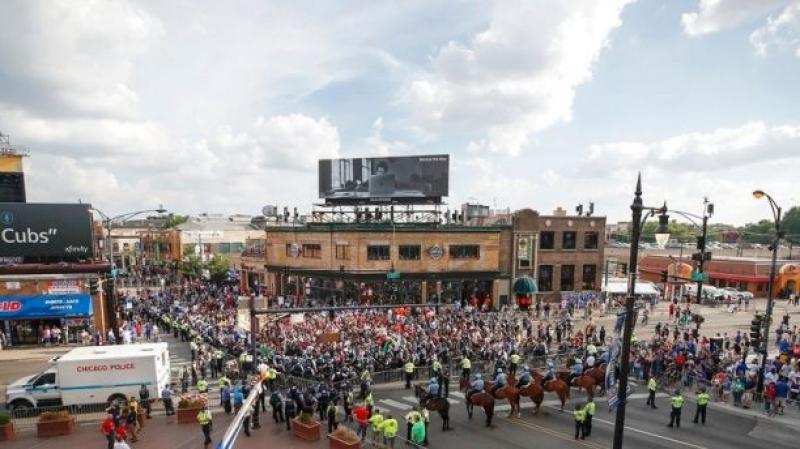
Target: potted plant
{"points": [[52, 424], [189, 405], [306, 427], [344, 438], [7, 431]]}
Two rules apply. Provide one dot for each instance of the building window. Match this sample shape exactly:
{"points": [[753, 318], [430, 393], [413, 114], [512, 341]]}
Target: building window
{"points": [[312, 250], [545, 278], [410, 252], [568, 240], [237, 247], [590, 240], [567, 278], [378, 252], [524, 250], [589, 277], [547, 240], [126, 246], [342, 252], [224, 248], [465, 252], [116, 247]]}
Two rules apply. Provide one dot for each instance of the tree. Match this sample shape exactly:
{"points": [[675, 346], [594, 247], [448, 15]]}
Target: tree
{"points": [[762, 232], [791, 225], [218, 269], [682, 232], [192, 266], [175, 219]]}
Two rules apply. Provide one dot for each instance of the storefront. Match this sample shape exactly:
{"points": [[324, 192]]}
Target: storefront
{"points": [[25, 318]]}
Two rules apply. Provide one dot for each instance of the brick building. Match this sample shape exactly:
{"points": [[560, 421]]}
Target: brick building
{"points": [[743, 273]]}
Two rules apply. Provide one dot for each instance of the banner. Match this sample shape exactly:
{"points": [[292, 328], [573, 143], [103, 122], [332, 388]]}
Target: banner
{"points": [[45, 306], [46, 230]]}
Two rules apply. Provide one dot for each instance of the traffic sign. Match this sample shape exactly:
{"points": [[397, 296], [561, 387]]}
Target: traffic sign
{"points": [[699, 277], [393, 275]]}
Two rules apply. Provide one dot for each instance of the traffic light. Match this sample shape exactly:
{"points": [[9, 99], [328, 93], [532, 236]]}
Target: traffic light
{"points": [[94, 286], [664, 276], [701, 242]]}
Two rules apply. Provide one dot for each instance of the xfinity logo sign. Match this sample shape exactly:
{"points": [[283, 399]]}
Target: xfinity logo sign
{"points": [[45, 230]]}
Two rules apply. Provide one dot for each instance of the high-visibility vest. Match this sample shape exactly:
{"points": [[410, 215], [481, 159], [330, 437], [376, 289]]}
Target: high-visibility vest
{"points": [[590, 408], [368, 400], [465, 363], [703, 398], [651, 384], [221, 382], [204, 417], [677, 401], [426, 416], [515, 359], [580, 415], [408, 367], [437, 367], [376, 420], [390, 427], [202, 386]]}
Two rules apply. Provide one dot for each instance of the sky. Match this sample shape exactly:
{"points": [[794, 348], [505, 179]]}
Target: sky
{"points": [[207, 106]]}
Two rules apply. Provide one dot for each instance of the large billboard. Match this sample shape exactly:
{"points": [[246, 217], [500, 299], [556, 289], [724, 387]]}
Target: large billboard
{"points": [[46, 230], [407, 179]]}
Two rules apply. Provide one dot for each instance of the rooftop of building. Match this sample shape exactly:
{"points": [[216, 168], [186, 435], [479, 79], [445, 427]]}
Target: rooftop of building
{"points": [[756, 260]]}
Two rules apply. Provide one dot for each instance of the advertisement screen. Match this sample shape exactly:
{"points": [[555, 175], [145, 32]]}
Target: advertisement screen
{"points": [[407, 179], [45, 230], [45, 306]]}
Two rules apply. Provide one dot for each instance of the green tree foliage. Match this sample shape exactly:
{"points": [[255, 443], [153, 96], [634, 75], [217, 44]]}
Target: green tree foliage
{"points": [[193, 266], [762, 232], [791, 225], [175, 219], [218, 269], [682, 232]]}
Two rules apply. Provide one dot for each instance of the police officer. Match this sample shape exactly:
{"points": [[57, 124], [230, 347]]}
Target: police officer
{"points": [[276, 401], [204, 418], [515, 358], [703, 399], [408, 369], [590, 408], [289, 409], [580, 420], [202, 386], [437, 372], [466, 367], [677, 406], [652, 386]]}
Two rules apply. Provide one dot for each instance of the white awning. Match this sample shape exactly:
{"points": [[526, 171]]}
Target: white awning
{"points": [[642, 288]]}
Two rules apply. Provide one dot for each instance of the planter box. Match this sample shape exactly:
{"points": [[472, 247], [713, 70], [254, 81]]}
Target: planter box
{"points": [[7, 432], [336, 443], [49, 429], [308, 432], [187, 415]]}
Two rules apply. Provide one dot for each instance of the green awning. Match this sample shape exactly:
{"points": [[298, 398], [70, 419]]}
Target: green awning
{"points": [[525, 286]]}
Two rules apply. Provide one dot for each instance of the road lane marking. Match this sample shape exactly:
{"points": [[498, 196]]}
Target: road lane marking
{"points": [[454, 401], [651, 434], [395, 404], [554, 433], [412, 399], [458, 394]]}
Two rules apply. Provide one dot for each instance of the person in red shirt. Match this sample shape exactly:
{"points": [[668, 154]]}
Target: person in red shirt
{"points": [[121, 433], [362, 415], [107, 428]]}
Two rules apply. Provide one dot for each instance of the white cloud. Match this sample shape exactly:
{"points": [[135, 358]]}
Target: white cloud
{"points": [[782, 31], [516, 77], [716, 15], [377, 145], [699, 151]]}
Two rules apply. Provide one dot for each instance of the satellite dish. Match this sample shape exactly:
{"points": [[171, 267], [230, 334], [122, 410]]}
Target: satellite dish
{"points": [[269, 211]]}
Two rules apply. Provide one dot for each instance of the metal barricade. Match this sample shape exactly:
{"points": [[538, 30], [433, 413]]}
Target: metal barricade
{"points": [[28, 417]]}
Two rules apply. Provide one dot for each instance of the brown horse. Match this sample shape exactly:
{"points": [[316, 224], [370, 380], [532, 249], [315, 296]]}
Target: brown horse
{"points": [[557, 386], [535, 392], [481, 399], [440, 405], [509, 392], [599, 375], [587, 382]]}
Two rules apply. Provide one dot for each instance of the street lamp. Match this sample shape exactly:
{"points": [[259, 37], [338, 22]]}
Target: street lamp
{"points": [[107, 222], [663, 228], [701, 257], [776, 215]]}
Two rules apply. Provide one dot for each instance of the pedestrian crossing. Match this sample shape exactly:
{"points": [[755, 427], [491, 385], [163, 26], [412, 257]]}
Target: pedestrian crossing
{"points": [[411, 402]]}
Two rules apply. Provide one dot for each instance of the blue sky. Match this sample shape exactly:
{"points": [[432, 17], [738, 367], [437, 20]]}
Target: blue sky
{"points": [[226, 106]]}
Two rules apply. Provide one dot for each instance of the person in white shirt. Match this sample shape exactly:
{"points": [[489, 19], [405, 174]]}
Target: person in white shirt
{"points": [[121, 444]]}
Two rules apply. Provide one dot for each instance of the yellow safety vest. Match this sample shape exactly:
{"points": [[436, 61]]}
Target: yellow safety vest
{"points": [[703, 398], [204, 417], [515, 359], [590, 408], [426, 415], [413, 416], [677, 401], [437, 366], [408, 367], [376, 421], [202, 386], [651, 384], [390, 428], [580, 415], [465, 363]]}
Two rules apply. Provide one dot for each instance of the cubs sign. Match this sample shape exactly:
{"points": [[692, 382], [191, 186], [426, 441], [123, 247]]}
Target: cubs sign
{"points": [[45, 230]]}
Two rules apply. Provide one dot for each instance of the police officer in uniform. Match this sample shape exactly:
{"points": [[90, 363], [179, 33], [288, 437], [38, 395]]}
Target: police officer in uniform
{"points": [[677, 406], [580, 422], [408, 369], [652, 386], [590, 408], [703, 399]]}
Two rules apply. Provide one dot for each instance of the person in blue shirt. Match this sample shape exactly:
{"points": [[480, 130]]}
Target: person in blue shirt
{"points": [[433, 390], [499, 381], [226, 398], [476, 386], [577, 370], [525, 378], [238, 398]]}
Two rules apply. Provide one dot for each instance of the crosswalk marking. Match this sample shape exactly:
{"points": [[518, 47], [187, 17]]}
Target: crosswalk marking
{"points": [[395, 404], [454, 401], [411, 399], [457, 394]]}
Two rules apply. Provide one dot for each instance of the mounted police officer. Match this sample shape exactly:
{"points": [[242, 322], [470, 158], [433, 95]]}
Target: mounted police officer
{"points": [[476, 386], [500, 381], [526, 378]]}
